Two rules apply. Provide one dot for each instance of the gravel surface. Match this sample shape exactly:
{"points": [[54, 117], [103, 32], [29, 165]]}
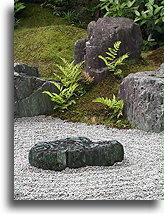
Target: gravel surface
{"points": [[138, 177]]}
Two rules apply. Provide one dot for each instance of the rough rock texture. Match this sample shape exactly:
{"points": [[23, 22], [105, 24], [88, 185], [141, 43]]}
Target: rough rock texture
{"points": [[142, 93], [80, 50], [102, 35], [26, 69], [28, 97], [75, 153]]}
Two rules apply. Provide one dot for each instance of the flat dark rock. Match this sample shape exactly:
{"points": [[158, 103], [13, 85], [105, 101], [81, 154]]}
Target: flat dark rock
{"points": [[75, 153]]}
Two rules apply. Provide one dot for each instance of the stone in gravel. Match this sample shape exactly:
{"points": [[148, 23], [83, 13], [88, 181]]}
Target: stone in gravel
{"points": [[74, 153], [142, 93]]}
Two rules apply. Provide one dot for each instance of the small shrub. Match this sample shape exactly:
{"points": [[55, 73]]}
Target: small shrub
{"points": [[118, 8], [73, 18], [58, 6], [111, 60], [151, 20], [114, 105]]}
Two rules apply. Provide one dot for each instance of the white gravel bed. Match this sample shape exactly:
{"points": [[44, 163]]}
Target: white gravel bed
{"points": [[138, 177]]}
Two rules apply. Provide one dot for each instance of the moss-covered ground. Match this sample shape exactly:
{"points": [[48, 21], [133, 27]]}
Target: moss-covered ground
{"points": [[41, 39]]}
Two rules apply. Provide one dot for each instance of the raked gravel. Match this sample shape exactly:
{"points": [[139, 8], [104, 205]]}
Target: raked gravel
{"points": [[138, 177]]}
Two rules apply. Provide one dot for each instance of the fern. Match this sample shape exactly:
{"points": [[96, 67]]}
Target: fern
{"points": [[114, 105], [69, 73], [70, 77], [64, 98], [111, 60]]}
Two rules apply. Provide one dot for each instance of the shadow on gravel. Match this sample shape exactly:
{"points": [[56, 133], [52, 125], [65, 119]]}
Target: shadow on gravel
{"points": [[140, 205]]}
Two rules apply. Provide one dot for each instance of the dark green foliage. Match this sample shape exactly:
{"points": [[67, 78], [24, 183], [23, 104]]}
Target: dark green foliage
{"points": [[73, 18], [18, 6], [151, 20], [58, 6], [118, 8], [148, 13]]}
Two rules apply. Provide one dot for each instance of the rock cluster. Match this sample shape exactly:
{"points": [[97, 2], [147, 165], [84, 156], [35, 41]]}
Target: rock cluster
{"points": [[101, 36], [28, 87], [142, 93], [74, 153]]}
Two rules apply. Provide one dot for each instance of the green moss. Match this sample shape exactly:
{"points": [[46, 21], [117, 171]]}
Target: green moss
{"points": [[43, 46]]}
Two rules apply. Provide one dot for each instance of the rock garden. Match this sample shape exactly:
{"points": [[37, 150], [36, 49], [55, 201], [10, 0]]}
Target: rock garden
{"points": [[88, 100]]}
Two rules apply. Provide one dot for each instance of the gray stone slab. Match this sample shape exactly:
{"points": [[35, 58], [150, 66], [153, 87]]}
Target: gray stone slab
{"points": [[142, 93]]}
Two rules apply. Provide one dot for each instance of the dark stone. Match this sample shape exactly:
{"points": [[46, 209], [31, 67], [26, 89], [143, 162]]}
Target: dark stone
{"points": [[26, 69], [142, 93], [102, 35], [79, 55], [28, 98], [75, 153]]}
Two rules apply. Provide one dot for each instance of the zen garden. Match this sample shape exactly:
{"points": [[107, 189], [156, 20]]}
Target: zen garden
{"points": [[88, 99]]}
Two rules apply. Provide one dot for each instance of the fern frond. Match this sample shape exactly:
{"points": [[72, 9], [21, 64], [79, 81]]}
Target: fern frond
{"points": [[48, 93], [104, 59], [113, 51], [58, 86], [117, 45], [113, 104], [112, 57], [111, 61], [121, 59]]}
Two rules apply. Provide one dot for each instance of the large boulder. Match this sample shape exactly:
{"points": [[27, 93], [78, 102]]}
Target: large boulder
{"points": [[142, 93], [75, 152], [28, 98], [102, 35]]}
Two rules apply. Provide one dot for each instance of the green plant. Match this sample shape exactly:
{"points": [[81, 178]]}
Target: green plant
{"points": [[92, 8], [18, 6], [149, 43], [111, 61], [151, 20], [58, 6], [114, 105], [119, 8], [65, 96], [70, 74], [73, 18], [71, 79]]}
